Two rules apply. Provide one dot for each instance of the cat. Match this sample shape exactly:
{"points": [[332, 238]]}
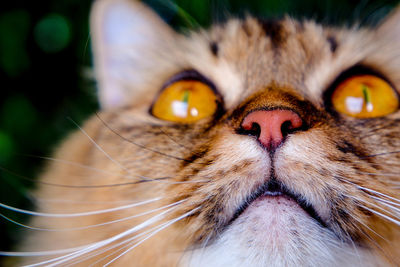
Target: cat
{"points": [[254, 143]]}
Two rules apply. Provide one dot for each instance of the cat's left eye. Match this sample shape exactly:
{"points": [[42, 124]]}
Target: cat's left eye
{"points": [[365, 96], [185, 101]]}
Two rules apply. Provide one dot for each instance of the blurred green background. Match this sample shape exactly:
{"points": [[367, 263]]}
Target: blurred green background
{"points": [[45, 70]]}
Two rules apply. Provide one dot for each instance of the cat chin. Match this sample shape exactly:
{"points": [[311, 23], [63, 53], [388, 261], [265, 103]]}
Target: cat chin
{"points": [[276, 231], [222, 256]]}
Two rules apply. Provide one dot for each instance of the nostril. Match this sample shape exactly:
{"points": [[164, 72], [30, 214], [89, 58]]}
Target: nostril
{"points": [[255, 130], [287, 128], [271, 126]]}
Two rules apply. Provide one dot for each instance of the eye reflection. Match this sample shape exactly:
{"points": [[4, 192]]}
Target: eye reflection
{"points": [[185, 101], [365, 96]]}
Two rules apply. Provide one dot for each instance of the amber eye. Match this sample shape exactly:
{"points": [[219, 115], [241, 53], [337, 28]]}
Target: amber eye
{"points": [[365, 96], [185, 101]]}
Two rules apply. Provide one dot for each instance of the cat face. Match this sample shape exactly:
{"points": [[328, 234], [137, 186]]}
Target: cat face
{"points": [[273, 174]]}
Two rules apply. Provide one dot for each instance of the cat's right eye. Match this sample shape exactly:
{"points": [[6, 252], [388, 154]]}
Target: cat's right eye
{"points": [[185, 101], [365, 96]]}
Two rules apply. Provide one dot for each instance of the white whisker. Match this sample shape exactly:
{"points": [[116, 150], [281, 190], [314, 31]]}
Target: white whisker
{"points": [[40, 253], [186, 182], [152, 234], [354, 248], [96, 245], [77, 164], [366, 226], [137, 144], [373, 205], [100, 148], [370, 190], [378, 193], [80, 202], [386, 201], [396, 210], [67, 215], [92, 226], [397, 222], [117, 175], [130, 241], [370, 229]]}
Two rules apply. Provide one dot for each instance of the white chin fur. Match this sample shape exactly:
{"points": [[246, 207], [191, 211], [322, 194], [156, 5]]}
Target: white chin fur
{"points": [[287, 237], [230, 251]]}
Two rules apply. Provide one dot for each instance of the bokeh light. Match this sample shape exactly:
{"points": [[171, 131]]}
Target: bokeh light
{"points": [[18, 116], [6, 147], [53, 33]]}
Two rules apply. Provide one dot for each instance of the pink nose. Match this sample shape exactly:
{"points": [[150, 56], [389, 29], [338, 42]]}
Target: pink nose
{"points": [[271, 126]]}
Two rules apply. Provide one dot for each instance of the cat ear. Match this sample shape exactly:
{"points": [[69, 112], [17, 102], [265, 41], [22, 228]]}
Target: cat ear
{"points": [[390, 27], [123, 33]]}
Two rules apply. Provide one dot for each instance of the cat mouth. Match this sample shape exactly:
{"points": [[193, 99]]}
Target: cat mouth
{"points": [[274, 189]]}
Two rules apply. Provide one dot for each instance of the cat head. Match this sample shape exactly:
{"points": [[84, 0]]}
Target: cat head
{"points": [[272, 148]]}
